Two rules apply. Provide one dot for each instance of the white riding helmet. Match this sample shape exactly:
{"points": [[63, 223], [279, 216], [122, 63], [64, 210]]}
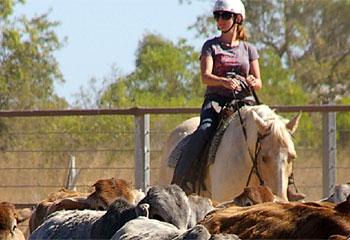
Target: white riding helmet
{"points": [[233, 6]]}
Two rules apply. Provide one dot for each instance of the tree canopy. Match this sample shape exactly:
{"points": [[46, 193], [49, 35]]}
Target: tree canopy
{"points": [[28, 68], [163, 70]]}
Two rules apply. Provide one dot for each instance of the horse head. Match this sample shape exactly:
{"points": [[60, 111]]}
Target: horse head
{"points": [[276, 151]]}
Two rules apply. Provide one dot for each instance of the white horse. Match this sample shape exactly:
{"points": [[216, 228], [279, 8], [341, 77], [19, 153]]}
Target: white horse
{"points": [[228, 175]]}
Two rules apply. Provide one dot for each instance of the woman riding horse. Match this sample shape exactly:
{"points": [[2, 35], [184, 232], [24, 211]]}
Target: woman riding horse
{"points": [[222, 56]]}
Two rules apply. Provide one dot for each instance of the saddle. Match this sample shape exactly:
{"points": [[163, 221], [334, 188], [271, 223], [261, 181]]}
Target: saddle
{"points": [[199, 169]]}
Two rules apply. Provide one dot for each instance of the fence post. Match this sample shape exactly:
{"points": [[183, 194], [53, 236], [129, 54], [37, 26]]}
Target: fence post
{"points": [[72, 174], [329, 153], [142, 151]]}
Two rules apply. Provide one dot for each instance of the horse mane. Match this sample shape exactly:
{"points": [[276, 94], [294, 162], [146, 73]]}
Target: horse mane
{"points": [[278, 123]]}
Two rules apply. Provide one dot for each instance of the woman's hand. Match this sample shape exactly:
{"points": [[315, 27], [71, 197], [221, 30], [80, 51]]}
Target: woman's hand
{"points": [[232, 84], [252, 81]]}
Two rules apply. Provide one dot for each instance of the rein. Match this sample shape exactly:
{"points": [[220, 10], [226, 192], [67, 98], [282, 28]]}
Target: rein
{"points": [[254, 158], [255, 161]]}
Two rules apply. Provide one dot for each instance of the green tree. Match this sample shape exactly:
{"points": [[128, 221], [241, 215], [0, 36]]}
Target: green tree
{"points": [[163, 71], [165, 68], [279, 88], [28, 68], [6, 8], [323, 67]]}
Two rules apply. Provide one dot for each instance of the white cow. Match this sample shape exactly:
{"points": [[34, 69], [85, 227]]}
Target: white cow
{"points": [[89, 224]]}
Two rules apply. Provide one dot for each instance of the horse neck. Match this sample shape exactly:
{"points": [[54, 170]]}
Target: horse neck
{"points": [[238, 145]]}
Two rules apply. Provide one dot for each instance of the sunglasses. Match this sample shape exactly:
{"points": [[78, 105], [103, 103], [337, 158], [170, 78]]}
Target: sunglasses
{"points": [[223, 15]]}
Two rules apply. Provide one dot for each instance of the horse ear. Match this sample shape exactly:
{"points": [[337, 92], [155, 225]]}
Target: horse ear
{"points": [[263, 126], [292, 125]]}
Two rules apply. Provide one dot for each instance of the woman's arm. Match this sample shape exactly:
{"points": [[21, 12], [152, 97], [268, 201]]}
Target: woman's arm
{"points": [[254, 79], [209, 79]]}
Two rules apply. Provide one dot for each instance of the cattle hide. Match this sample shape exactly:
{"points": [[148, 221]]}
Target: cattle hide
{"points": [[281, 220], [341, 192], [200, 206], [198, 232], [139, 195], [168, 203], [143, 228], [70, 224], [254, 195], [106, 191], [42, 209], [89, 224], [118, 213], [224, 237], [8, 222]]}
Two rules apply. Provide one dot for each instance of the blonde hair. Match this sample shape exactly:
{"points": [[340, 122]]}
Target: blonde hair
{"points": [[241, 33]]}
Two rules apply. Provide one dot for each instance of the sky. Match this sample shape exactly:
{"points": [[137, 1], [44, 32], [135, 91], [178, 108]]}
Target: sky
{"points": [[105, 33]]}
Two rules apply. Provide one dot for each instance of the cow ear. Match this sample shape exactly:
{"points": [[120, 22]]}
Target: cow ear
{"points": [[263, 126], [292, 125]]}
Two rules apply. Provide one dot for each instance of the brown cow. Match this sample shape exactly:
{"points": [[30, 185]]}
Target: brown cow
{"points": [[282, 221], [41, 211], [9, 218], [106, 190], [252, 195]]}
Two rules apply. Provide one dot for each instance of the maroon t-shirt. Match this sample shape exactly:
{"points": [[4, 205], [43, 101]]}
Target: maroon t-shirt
{"points": [[228, 59]]}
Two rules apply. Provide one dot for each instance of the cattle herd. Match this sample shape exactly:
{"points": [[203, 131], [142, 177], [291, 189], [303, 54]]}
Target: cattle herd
{"points": [[114, 210]]}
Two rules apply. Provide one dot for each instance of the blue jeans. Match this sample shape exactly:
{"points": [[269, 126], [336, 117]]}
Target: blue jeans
{"points": [[209, 120]]}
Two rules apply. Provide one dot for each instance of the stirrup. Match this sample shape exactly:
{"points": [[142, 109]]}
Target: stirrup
{"points": [[294, 196]]}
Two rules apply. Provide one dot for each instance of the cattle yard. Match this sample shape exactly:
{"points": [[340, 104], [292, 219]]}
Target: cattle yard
{"points": [[29, 173]]}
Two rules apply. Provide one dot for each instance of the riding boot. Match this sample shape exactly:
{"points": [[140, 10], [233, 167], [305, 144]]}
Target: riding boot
{"points": [[183, 177], [184, 182], [293, 196]]}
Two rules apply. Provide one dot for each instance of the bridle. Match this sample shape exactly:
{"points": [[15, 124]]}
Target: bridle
{"points": [[254, 157]]}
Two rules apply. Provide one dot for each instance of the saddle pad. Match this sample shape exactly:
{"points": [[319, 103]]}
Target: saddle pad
{"points": [[177, 151], [214, 144], [216, 140]]}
